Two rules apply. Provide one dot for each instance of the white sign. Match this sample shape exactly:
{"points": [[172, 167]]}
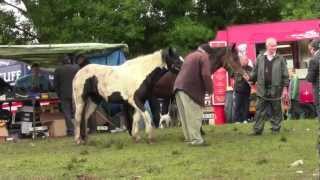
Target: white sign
{"points": [[307, 35], [11, 76]]}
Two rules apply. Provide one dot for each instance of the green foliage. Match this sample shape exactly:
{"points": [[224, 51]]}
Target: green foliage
{"points": [[145, 25], [187, 34], [301, 9], [8, 34]]}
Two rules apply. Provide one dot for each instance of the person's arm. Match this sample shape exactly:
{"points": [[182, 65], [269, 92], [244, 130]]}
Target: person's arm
{"points": [[206, 74], [285, 81], [56, 84], [21, 85], [254, 72], [312, 69]]}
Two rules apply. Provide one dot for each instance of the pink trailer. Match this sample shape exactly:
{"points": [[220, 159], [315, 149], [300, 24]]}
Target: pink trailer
{"points": [[286, 32], [292, 37]]}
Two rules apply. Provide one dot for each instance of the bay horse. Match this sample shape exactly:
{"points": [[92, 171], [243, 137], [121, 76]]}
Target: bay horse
{"points": [[128, 83]]}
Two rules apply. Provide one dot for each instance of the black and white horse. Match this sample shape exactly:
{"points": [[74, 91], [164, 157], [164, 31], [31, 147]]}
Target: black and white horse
{"points": [[128, 83]]}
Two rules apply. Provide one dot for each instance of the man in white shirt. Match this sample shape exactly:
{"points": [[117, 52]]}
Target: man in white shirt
{"points": [[271, 76]]}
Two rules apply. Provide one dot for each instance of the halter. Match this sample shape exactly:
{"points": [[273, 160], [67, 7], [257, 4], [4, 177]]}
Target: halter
{"points": [[173, 65], [225, 64]]}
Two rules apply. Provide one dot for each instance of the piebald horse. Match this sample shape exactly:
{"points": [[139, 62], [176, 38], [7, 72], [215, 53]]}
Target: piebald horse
{"points": [[128, 83]]}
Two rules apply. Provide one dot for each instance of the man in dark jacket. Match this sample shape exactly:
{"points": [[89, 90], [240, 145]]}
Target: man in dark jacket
{"points": [[63, 77], [313, 70], [191, 85], [271, 77], [313, 76]]}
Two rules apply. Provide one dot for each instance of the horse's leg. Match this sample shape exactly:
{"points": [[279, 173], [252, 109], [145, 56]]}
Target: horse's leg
{"points": [[141, 112], [148, 125], [128, 112], [89, 108], [78, 118], [147, 120], [135, 125]]}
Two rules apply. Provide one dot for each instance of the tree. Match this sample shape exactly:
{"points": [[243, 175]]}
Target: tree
{"points": [[12, 31], [145, 25], [188, 34], [301, 9]]}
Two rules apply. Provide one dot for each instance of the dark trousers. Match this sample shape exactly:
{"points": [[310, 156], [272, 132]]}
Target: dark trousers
{"points": [[265, 108], [241, 107], [68, 111]]}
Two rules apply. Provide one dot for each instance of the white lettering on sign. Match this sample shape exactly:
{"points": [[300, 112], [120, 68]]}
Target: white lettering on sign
{"points": [[308, 34], [10, 76]]}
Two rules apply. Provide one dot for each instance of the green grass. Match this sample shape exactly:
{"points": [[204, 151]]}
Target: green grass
{"points": [[232, 154]]}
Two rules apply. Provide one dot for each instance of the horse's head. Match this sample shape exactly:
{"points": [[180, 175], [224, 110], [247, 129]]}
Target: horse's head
{"points": [[172, 59], [231, 60], [226, 57]]}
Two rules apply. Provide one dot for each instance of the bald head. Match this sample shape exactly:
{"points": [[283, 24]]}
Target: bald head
{"points": [[271, 46]]}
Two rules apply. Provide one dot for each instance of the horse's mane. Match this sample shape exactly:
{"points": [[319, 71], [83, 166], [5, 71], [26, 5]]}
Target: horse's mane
{"points": [[214, 53], [145, 60]]}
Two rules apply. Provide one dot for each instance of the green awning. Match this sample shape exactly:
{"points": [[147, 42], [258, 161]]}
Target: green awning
{"points": [[47, 54]]}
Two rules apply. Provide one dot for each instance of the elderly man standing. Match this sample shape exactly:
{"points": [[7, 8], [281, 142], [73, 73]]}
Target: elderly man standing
{"points": [[271, 77]]}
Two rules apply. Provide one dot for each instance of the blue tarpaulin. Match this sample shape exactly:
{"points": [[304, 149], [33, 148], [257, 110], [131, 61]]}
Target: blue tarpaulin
{"points": [[112, 59]]}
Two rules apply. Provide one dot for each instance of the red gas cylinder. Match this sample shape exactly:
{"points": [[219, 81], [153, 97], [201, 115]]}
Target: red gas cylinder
{"points": [[219, 80]]}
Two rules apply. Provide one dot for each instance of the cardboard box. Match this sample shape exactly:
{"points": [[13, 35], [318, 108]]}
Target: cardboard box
{"points": [[4, 131], [55, 122], [3, 134]]}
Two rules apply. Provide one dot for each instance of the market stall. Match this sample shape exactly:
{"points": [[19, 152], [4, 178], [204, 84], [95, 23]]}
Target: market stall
{"points": [[34, 114]]}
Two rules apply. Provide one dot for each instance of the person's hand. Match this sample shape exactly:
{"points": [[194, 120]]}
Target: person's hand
{"points": [[285, 96]]}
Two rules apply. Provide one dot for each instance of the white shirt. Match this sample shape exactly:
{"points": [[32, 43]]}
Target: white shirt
{"points": [[270, 57]]}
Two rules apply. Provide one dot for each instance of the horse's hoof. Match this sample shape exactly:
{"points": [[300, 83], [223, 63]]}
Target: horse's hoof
{"points": [[81, 142], [136, 139]]}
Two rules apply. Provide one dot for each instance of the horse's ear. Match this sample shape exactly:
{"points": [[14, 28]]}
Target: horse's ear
{"points": [[172, 51]]}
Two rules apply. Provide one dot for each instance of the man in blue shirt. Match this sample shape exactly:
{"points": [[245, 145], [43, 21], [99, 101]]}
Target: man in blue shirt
{"points": [[34, 82]]}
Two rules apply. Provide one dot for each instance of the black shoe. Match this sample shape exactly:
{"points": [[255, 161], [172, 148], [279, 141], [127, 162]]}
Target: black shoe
{"points": [[255, 134], [275, 131]]}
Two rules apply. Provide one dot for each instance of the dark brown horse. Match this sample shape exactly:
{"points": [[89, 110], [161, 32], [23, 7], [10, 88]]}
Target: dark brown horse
{"points": [[163, 82]]}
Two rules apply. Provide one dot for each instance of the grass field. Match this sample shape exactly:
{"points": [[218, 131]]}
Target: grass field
{"points": [[231, 154]]}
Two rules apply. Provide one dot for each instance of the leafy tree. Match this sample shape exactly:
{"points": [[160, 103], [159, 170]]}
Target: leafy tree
{"points": [[300, 9], [7, 22], [145, 25], [13, 32], [187, 34]]}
